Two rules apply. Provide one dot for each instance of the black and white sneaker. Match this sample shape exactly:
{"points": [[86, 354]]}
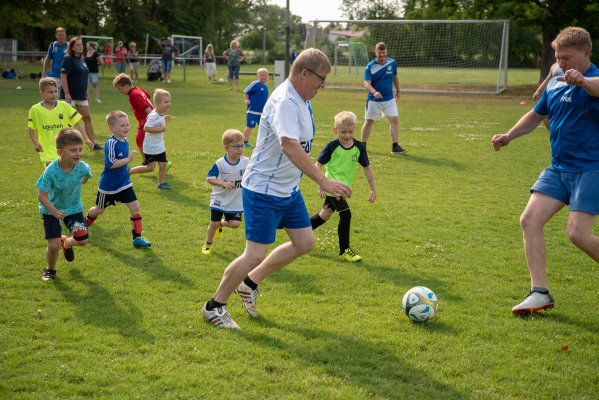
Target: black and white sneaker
{"points": [[535, 301], [397, 149], [49, 274]]}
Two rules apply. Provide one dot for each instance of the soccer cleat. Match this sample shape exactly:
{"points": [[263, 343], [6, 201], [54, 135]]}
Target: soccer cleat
{"points": [[219, 317], [219, 232], [141, 241], [49, 274], [349, 255], [247, 145], [169, 165], [69, 254], [535, 301], [98, 147], [206, 249], [397, 149], [164, 186], [248, 297]]}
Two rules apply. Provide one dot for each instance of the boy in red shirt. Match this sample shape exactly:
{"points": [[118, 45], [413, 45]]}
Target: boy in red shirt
{"points": [[140, 104]]}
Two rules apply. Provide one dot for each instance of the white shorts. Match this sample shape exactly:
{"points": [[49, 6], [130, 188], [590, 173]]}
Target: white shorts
{"points": [[374, 109], [58, 82], [79, 103], [210, 68]]}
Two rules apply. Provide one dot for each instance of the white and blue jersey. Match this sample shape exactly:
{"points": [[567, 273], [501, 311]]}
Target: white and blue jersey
{"points": [[114, 180], [64, 189], [225, 200], [574, 120], [381, 78], [258, 94], [285, 114]]}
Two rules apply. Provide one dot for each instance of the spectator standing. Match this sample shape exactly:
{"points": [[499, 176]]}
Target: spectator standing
{"points": [[169, 54], [56, 52], [92, 60], [234, 56]]}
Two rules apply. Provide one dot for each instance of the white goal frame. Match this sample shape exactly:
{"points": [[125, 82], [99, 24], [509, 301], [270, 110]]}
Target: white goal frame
{"points": [[486, 74]]}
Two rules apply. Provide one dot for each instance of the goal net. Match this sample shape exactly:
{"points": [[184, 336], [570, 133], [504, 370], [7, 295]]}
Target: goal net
{"points": [[453, 56], [190, 48]]}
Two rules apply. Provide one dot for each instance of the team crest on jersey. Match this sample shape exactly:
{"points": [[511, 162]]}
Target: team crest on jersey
{"points": [[59, 116], [354, 158]]}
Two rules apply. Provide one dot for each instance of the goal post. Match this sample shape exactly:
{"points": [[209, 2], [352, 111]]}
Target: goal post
{"points": [[190, 50], [436, 56]]}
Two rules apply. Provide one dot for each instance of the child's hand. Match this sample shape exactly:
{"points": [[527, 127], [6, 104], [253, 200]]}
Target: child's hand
{"points": [[59, 214], [167, 118], [132, 154], [248, 102], [372, 197], [38, 147], [321, 193], [90, 144], [229, 185]]}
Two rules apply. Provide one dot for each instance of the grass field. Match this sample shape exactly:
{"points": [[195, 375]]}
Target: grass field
{"points": [[121, 322]]}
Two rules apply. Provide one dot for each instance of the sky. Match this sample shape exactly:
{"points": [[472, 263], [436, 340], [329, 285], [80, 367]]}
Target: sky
{"points": [[312, 9]]}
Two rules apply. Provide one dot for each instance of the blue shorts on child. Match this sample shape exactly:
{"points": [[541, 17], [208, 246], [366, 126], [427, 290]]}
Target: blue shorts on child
{"points": [[75, 223]]}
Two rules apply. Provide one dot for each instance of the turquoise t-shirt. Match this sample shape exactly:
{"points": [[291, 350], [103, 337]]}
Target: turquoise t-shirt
{"points": [[64, 190]]}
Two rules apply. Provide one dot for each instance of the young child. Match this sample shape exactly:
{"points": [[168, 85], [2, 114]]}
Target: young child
{"points": [[340, 157], [255, 96], [115, 184], [153, 146], [225, 178], [49, 116], [59, 198], [140, 104]]}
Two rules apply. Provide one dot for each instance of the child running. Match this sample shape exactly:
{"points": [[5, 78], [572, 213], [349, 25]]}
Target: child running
{"points": [[59, 198], [340, 157], [153, 146], [225, 178], [115, 184], [255, 94]]}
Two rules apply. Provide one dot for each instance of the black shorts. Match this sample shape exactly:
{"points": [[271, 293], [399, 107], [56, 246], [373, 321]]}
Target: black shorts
{"points": [[216, 215], [103, 200], [75, 223], [335, 205], [155, 158]]}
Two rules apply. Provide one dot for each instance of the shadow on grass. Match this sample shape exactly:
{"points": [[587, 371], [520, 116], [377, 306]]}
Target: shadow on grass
{"points": [[556, 316], [378, 371], [142, 258], [175, 195], [97, 307]]}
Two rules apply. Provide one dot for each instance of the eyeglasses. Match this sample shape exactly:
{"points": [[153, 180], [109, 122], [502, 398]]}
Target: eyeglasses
{"points": [[322, 78], [236, 146]]}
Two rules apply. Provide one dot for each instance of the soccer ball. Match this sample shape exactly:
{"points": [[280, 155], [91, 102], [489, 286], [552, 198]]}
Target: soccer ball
{"points": [[221, 80], [419, 303]]}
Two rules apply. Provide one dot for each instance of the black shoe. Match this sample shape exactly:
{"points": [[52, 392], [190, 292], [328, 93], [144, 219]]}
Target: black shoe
{"points": [[397, 149], [49, 274], [69, 254], [98, 147]]}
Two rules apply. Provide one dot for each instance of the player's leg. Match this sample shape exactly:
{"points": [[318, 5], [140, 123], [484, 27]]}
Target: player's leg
{"points": [[103, 200], [128, 197], [323, 216], [394, 128], [366, 129], [246, 134], [52, 230], [584, 207], [140, 169], [87, 122], [162, 172], [580, 226], [139, 140]]}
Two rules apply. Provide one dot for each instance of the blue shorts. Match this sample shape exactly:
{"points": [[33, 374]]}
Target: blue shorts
{"points": [[74, 222], [265, 214], [252, 120], [167, 65], [580, 190], [233, 71]]}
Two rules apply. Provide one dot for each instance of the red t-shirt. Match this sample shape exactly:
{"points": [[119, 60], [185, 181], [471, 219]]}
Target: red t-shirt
{"points": [[140, 100], [120, 54]]}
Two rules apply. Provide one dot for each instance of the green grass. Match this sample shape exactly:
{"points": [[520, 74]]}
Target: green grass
{"points": [[121, 322]]}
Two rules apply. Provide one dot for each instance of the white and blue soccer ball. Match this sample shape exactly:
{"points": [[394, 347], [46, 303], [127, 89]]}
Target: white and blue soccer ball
{"points": [[420, 303]]}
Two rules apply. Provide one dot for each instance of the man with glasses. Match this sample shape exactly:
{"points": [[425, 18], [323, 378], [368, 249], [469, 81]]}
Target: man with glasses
{"points": [[271, 196], [380, 77]]}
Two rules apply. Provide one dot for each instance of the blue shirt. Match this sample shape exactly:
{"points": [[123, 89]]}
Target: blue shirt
{"points": [[64, 189], [56, 53], [574, 120], [114, 180], [258, 94], [381, 78]]}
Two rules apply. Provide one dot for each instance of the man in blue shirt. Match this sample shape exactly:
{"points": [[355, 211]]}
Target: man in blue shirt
{"points": [[56, 52], [571, 101], [380, 77]]}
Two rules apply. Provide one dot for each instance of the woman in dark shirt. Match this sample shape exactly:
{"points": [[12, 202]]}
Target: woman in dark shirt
{"points": [[74, 75], [92, 60]]}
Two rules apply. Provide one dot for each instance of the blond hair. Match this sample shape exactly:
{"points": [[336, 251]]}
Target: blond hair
{"points": [[114, 116], [67, 136], [345, 118], [94, 45], [160, 95], [232, 136], [311, 58], [47, 81], [260, 70], [233, 42], [572, 36], [121, 80]]}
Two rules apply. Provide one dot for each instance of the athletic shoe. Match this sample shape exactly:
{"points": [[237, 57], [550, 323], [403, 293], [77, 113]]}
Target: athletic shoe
{"points": [[69, 254], [98, 101], [535, 301], [247, 145], [349, 255], [141, 241], [98, 147], [49, 274], [206, 249], [164, 186], [219, 317], [219, 232], [169, 165], [248, 297], [397, 149]]}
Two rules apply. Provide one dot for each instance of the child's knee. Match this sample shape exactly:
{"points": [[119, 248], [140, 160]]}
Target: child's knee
{"points": [[234, 224], [151, 166]]}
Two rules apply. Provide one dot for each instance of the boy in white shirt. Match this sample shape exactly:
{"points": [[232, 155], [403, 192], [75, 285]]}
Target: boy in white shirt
{"points": [[153, 146]]}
